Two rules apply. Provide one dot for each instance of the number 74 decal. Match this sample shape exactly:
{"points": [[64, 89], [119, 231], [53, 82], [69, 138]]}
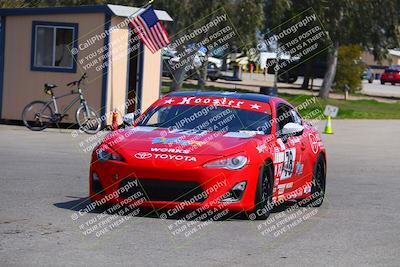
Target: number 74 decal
{"points": [[284, 163]]}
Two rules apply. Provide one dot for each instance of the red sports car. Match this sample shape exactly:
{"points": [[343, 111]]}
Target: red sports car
{"points": [[205, 150]]}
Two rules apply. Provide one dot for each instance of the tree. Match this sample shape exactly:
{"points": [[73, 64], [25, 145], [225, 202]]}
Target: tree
{"points": [[13, 3], [279, 11], [372, 24], [350, 68]]}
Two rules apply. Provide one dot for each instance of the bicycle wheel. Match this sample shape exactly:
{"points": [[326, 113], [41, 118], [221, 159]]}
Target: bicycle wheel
{"points": [[37, 115], [88, 120]]}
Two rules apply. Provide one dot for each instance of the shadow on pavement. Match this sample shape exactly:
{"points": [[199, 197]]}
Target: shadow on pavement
{"points": [[81, 203]]}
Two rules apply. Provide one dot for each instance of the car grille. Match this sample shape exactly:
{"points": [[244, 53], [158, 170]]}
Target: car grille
{"points": [[165, 190]]}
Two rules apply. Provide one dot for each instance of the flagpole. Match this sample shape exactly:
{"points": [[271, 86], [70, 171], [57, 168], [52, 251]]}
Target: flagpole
{"points": [[140, 8], [130, 17]]}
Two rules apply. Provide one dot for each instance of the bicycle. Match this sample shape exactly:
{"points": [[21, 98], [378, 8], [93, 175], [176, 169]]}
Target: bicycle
{"points": [[38, 115]]}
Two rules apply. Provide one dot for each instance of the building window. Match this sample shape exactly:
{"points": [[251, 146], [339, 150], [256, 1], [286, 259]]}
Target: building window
{"points": [[52, 43]]}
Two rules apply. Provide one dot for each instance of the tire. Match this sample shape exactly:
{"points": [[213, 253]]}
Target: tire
{"points": [[318, 184], [89, 125], [382, 82], [371, 79], [393, 83], [37, 115], [263, 201], [213, 78], [286, 78], [292, 79], [283, 78]]}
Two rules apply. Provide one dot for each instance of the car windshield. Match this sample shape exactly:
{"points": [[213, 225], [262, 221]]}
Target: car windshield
{"points": [[207, 118], [392, 69]]}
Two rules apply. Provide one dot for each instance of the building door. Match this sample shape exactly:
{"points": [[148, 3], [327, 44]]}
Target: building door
{"points": [[134, 83], [2, 47]]}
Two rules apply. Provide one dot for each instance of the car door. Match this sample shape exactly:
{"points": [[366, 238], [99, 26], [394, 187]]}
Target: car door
{"points": [[288, 157], [313, 146]]}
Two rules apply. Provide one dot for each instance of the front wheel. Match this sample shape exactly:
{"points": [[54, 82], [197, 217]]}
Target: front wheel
{"points": [[319, 182], [37, 115], [318, 185], [87, 119], [263, 201]]}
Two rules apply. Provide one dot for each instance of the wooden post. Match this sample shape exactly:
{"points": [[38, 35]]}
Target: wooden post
{"points": [[346, 91], [312, 84]]}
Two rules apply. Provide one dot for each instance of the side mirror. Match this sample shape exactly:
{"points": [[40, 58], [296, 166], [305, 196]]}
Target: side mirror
{"points": [[129, 119], [292, 129]]}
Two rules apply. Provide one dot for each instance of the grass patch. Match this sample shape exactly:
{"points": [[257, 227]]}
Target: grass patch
{"points": [[350, 109]]}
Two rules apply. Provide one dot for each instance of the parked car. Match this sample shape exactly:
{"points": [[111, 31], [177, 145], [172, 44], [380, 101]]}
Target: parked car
{"points": [[391, 75], [294, 68], [213, 72], [368, 75]]}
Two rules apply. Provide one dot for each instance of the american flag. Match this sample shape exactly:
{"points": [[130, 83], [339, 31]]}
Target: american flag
{"points": [[150, 30]]}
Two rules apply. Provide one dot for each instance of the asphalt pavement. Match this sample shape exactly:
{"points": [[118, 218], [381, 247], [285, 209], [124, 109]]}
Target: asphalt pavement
{"points": [[377, 89], [44, 182]]}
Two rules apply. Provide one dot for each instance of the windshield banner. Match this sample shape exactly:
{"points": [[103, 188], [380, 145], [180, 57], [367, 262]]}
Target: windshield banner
{"points": [[215, 101]]}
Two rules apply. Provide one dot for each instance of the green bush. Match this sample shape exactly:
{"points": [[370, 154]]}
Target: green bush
{"points": [[349, 69]]}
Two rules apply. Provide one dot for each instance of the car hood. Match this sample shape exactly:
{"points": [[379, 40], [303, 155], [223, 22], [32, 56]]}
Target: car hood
{"points": [[190, 142]]}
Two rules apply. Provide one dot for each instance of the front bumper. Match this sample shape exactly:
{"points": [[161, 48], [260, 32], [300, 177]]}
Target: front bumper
{"points": [[168, 187]]}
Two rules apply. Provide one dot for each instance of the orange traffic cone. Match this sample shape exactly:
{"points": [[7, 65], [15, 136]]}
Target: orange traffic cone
{"points": [[114, 125]]}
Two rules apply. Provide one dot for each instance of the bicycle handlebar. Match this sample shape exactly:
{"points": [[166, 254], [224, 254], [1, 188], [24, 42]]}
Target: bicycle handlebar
{"points": [[78, 82]]}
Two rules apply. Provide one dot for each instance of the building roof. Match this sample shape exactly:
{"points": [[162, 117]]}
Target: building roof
{"points": [[394, 52], [113, 10], [126, 11], [246, 96]]}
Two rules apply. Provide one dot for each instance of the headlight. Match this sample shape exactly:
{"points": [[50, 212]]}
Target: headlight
{"points": [[230, 163], [105, 153]]}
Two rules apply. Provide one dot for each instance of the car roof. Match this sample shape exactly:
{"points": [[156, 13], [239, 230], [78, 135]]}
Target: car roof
{"points": [[245, 96]]}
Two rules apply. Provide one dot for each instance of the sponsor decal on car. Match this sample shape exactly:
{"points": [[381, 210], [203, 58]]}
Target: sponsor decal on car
{"points": [[314, 142], [282, 187], [143, 155], [175, 157], [299, 169], [170, 150], [188, 132], [241, 134], [278, 164], [280, 143], [177, 140], [288, 165], [261, 148], [148, 155], [307, 188], [284, 163]]}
